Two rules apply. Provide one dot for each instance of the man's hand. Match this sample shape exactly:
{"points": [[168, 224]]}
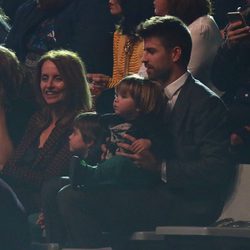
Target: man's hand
{"points": [[236, 139], [97, 83], [98, 79], [144, 159]]}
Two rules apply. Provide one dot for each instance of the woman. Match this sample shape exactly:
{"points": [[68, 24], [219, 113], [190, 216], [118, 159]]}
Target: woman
{"points": [[205, 34], [127, 46], [43, 153]]}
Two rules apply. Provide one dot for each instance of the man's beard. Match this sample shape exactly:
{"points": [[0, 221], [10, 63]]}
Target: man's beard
{"points": [[162, 76]]}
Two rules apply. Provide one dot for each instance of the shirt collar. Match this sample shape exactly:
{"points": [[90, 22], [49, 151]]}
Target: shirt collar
{"points": [[173, 87]]}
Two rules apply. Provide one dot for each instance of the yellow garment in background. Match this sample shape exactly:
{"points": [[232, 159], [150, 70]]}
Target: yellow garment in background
{"points": [[127, 56]]}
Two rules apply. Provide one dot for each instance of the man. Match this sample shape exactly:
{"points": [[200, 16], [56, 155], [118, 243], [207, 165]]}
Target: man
{"points": [[194, 178], [200, 170]]}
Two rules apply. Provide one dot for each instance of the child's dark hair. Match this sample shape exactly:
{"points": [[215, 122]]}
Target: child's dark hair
{"points": [[91, 130], [147, 94]]}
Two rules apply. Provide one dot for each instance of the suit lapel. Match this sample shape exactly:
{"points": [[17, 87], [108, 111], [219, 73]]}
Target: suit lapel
{"points": [[181, 107]]}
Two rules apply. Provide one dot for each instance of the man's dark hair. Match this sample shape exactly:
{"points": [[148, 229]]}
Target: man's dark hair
{"points": [[171, 31]]}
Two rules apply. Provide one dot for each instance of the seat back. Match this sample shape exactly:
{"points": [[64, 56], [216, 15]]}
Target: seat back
{"points": [[238, 205]]}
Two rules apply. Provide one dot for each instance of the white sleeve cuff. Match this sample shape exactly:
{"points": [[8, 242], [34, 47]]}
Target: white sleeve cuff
{"points": [[164, 171]]}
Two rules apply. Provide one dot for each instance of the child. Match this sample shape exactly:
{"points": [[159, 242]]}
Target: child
{"points": [[87, 136], [138, 105], [85, 144]]}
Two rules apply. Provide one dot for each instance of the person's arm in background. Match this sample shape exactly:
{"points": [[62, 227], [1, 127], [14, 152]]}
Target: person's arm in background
{"points": [[225, 68], [206, 39]]}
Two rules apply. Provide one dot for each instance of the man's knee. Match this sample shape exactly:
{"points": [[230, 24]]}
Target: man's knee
{"points": [[67, 199], [51, 188]]}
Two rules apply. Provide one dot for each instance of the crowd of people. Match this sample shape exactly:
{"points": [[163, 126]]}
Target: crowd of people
{"points": [[119, 116]]}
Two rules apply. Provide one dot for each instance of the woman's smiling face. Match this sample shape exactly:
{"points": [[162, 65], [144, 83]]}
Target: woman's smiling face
{"points": [[52, 86]]}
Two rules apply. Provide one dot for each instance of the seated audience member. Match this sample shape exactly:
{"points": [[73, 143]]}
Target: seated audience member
{"points": [[14, 232], [14, 107], [205, 34], [43, 153], [192, 182], [87, 137], [231, 74], [4, 26], [42, 25], [84, 142], [127, 47]]}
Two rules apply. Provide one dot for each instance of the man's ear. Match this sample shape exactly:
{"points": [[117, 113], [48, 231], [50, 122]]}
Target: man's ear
{"points": [[176, 54]]}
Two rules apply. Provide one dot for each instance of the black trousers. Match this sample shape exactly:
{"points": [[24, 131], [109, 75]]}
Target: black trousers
{"points": [[78, 218], [27, 194], [14, 232]]}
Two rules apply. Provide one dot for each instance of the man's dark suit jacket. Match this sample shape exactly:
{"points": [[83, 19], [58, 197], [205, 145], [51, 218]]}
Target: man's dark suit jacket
{"points": [[200, 171]]}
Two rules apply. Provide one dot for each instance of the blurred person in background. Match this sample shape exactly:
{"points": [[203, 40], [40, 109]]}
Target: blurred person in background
{"points": [[205, 34], [4, 26], [14, 107], [127, 48], [78, 25], [10, 7], [231, 74]]}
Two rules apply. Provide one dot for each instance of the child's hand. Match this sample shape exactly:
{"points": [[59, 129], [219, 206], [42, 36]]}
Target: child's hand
{"points": [[104, 149], [40, 220], [140, 145]]}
